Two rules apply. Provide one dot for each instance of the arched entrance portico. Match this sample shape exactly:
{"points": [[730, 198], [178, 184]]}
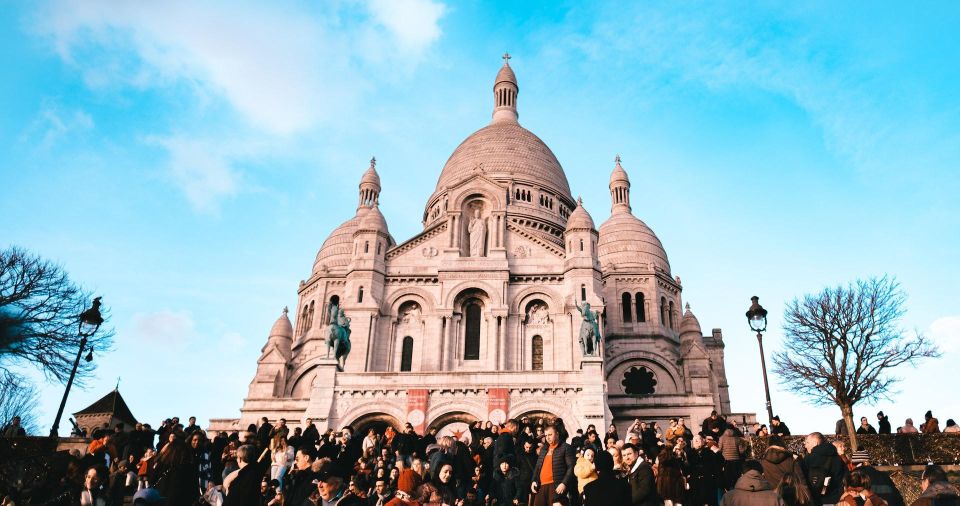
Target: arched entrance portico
{"points": [[376, 421], [455, 424]]}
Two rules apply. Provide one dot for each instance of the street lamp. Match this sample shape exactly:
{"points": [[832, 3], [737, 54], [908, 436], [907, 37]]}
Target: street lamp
{"points": [[757, 318], [90, 321]]}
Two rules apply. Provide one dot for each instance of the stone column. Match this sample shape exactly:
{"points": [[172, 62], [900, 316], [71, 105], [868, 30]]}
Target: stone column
{"points": [[501, 342], [322, 393]]}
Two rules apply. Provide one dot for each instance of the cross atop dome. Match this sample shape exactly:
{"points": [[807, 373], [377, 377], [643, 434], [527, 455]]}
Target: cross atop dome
{"points": [[373, 163], [506, 58]]}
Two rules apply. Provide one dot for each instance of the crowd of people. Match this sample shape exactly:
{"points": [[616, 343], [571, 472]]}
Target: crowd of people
{"points": [[530, 461]]}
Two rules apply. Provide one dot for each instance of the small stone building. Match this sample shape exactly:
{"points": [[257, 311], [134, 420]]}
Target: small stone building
{"points": [[110, 409]]}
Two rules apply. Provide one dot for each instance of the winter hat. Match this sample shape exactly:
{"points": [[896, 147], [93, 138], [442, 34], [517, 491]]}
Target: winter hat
{"points": [[777, 418], [408, 481], [776, 441], [928, 415], [508, 458], [860, 457], [148, 496]]}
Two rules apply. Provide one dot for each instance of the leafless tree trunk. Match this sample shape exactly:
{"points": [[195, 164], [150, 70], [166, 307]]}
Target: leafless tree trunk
{"points": [[39, 319], [841, 344]]}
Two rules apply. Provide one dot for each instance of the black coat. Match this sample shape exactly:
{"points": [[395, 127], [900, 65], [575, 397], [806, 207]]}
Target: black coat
{"points": [[824, 461], [884, 426], [297, 487], [643, 486], [245, 488], [606, 491], [504, 488], [504, 445]]}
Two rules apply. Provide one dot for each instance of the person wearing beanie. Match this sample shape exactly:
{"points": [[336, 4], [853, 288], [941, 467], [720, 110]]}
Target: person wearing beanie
{"points": [[778, 462], [859, 458], [606, 489], [931, 425], [883, 423], [778, 428], [505, 485]]}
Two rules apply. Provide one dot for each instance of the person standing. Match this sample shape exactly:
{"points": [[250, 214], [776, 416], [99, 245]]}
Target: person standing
{"points": [[607, 489], [865, 427], [553, 473], [778, 428], [730, 450], [14, 429], [825, 470], [883, 423], [643, 486], [752, 489], [936, 489]]}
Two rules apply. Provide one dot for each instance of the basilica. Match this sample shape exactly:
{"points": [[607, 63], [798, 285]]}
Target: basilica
{"points": [[481, 315]]}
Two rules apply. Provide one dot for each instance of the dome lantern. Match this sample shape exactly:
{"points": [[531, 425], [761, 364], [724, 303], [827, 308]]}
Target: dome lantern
{"points": [[370, 186], [505, 92], [619, 188]]}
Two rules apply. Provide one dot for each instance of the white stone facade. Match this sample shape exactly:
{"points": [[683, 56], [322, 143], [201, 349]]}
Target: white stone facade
{"points": [[477, 320]]}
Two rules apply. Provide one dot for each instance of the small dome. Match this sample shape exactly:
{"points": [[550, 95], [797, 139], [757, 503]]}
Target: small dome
{"points": [[282, 327], [370, 176], [579, 219], [618, 175], [626, 241], [337, 250], [374, 220], [689, 323]]}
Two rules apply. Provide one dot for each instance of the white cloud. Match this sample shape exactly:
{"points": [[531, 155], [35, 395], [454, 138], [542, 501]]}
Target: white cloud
{"points": [[55, 122], [202, 169], [163, 327], [413, 23], [283, 69], [945, 332]]}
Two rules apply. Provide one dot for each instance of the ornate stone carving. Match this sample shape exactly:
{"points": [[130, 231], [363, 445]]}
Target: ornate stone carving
{"points": [[538, 314], [478, 234], [430, 251], [522, 251], [589, 330], [411, 314]]}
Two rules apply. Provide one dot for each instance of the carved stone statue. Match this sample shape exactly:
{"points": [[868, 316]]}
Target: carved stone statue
{"points": [[538, 315], [589, 330], [478, 234], [338, 338], [411, 315]]}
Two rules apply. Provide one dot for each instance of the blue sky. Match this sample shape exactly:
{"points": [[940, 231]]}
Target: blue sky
{"points": [[187, 159]]}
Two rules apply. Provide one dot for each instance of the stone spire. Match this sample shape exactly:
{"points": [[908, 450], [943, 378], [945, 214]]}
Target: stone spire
{"points": [[619, 188], [370, 186], [505, 92]]}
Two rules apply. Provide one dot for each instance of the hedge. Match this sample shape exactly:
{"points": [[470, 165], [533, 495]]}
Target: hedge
{"points": [[884, 450]]}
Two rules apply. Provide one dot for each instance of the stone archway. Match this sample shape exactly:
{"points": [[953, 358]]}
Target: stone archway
{"points": [[455, 424], [376, 421]]}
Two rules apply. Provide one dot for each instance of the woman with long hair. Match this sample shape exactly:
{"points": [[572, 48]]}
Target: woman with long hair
{"points": [[176, 477], [585, 470], [440, 489], [281, 457], [793, 491]]}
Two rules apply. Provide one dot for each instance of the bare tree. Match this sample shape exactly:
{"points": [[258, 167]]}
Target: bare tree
{"points": [[842, 343], [18, 398], [39, 320]]}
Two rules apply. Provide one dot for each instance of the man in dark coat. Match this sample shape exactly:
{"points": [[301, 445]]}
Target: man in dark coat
{"points": [[526, 462], [263, 434], [244, 488], [825, 469], [507, 441], [310, 435], [778, 462], [778, 428], [606, 489], [553, 474], [298, 484], [752, 489], [643, 486], [883, 423]]}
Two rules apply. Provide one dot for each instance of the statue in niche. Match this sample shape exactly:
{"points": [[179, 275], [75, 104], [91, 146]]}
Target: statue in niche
{"points": [[538, 315], [410, 315], [589, 330], [478, 234]]}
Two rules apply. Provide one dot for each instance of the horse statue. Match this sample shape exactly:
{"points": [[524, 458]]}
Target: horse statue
{"points": [[338, 338], [589, 330]]}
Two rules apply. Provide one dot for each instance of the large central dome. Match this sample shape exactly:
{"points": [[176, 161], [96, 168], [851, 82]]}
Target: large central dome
{"points": [[505, 150]]}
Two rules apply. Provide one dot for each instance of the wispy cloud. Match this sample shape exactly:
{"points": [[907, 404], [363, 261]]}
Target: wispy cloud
{"points": [[55, 122], [283, 70]]}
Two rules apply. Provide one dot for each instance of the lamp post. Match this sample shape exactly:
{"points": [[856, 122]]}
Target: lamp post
{"points": [[90, 321], [757, 318]]}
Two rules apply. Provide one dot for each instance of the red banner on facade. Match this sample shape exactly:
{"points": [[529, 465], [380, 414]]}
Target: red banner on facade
{"points": [[417, 408], [498, 404]]}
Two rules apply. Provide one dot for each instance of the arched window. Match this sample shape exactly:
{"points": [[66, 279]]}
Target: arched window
{"points": [[406, 354], [304, 317], [537, 349], [378, 246], [583, 292], [310, 317], [641, 308], [581, 244], [626, 303], [670, 314], [360, 295], [366, 247], [471, 348], [663, 310]]}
